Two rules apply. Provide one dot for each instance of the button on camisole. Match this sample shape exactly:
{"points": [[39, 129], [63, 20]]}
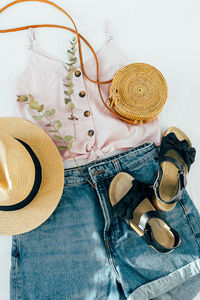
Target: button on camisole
{"points": [[97, 133]]}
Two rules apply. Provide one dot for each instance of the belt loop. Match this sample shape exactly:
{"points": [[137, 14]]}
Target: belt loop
{"points": [[117, 165]]}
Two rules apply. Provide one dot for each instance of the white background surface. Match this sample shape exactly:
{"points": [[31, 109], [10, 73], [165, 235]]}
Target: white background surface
{"points": [[164, 34]]}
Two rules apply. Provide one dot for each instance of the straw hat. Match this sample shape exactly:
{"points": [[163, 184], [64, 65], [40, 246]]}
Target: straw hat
{"points": [[138, 92], [31, 176]]}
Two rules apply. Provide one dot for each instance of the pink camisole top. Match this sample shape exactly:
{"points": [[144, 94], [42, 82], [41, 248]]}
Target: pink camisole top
{"points": [[96, 132]]}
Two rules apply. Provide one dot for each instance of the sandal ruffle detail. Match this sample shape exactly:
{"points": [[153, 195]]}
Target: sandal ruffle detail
{"points": [[125, 207], [186, 152]]}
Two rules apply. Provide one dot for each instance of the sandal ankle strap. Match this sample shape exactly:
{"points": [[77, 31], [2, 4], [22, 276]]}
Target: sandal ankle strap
{"points": [[148, 235], [182, 181]]}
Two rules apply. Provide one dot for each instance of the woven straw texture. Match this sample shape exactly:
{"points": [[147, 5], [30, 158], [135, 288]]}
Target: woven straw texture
{"points": [[138, 92]]}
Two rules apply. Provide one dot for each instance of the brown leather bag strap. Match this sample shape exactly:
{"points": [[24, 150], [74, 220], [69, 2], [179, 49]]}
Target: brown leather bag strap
{"points": [[79, 46]]}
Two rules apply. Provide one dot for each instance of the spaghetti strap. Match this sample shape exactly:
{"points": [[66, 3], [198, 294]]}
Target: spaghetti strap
{"points": [[31, 39], [108, 31]]}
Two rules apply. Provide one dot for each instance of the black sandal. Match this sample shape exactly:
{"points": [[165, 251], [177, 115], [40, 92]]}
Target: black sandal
{"points": [[131, 200], [175, 159]]}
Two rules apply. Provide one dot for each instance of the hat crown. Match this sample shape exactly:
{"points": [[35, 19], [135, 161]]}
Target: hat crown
{"points": [[17, 171]]}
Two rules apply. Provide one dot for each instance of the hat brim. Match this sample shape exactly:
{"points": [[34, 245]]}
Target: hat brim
{"points": [[51, 189]]}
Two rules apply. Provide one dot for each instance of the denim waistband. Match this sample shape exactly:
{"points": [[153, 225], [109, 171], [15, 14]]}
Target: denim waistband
{"points": [[100, 170]]}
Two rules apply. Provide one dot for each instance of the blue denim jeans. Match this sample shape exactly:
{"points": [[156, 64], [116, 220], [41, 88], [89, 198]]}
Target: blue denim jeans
{"points": [[83, 252]]}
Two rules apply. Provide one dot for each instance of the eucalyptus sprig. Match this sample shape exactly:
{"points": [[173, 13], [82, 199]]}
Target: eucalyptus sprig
{"points": [[56, 124], [68, 82]]}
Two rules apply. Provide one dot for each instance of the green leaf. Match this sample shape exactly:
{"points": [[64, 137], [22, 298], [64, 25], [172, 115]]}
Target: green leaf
{"points": [[57, 137], [59, 126], [67, 138], [71, 105], [52, 130], [56, 121], [73, 43], [40, 108], [69, 51], [33, 104], [70, 75], [73, 47], [50, 112], [62, 148], [69, 84], [73, 69], [38, 117], [69, 145], [73, 59], [22, 98], [67, 100], [74, 51], [69, 92], [31, 97]]}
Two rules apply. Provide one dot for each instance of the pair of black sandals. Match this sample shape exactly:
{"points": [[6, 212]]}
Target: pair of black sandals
{"points": [[142, 206]]}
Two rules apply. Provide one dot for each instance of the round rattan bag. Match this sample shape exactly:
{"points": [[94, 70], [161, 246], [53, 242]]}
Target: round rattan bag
{"points": [[138, 92]]}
